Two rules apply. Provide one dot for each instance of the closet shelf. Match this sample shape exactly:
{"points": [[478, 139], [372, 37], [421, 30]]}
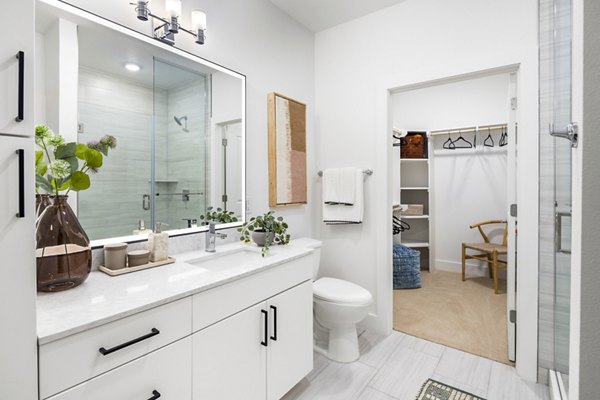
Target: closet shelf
{"points": [[414, 159], [415, 243], [415, 188], [414, 216]]}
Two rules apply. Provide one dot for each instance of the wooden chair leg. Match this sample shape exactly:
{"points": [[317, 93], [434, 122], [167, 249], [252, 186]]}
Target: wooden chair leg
{"points": [[464, 251], [490, 266], [495, 260]]}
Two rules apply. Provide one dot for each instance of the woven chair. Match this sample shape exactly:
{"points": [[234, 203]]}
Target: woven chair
{"points": [[487, 251]]}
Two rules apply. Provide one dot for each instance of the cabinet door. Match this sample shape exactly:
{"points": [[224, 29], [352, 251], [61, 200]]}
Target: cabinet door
{"points": [[18, 340], [165, 374], [18, 25], [290, 354], [229, 360]]}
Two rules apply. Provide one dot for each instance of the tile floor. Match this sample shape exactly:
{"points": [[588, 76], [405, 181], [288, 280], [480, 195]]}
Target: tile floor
{"points": [[396, 366]]}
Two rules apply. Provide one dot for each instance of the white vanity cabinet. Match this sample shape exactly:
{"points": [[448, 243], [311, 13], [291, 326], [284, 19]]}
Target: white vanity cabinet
{"points": [[16, 74], [259, 353]]}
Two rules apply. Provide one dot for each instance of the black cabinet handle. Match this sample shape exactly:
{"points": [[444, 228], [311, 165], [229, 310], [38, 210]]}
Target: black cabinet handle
{"points": [[21, 154], [274, 337], [266, 334], [106, 352], [155, 395], [20, 110]]}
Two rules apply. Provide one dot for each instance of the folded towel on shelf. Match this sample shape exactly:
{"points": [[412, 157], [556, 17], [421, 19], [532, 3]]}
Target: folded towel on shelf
{"points": [[339, 214], [339, 186]]}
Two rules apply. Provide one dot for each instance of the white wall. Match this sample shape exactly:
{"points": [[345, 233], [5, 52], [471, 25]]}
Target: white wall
{"points": [[468, 186], [413, 42], [275, 53]]}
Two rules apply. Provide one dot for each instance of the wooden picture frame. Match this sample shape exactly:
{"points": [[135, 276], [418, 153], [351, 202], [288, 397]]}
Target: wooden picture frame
{"points": [[287, 151]]}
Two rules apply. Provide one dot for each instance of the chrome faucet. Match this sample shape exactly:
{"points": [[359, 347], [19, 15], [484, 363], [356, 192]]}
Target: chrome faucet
{"points": [[211, 238]]}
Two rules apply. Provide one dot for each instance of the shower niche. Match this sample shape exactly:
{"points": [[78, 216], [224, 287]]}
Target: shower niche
{"points": [[171, 113]]}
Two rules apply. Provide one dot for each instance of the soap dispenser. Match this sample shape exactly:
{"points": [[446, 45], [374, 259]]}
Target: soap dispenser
{"points": [[158, 244]]}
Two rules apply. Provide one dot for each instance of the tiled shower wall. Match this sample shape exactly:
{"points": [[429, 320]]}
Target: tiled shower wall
{"points": [[555, 175], [124, 108]]}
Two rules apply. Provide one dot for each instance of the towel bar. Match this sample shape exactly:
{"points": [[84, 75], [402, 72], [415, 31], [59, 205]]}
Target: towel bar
{"points": [[368, 172]]}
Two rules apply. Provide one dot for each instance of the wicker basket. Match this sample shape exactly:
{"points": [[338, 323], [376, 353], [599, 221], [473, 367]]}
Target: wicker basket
{"points": [[407, 267], [414, 145]]}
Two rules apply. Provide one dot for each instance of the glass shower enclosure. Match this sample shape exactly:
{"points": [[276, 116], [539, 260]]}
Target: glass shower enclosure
{"points": [[557, 138]]}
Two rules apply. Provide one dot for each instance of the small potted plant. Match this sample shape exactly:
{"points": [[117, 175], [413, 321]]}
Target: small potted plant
{"points": [[219, 216], [265, 230]]}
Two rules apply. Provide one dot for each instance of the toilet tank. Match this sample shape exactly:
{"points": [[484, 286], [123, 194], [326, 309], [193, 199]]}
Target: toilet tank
{"points": [[311, 244]]}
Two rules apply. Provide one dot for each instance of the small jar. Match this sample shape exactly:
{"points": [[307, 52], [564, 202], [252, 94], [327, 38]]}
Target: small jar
{"points": [[138, 257], [115, 256]]}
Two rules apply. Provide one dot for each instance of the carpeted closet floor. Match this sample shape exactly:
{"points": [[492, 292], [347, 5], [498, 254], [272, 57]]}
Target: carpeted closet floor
{"points": [[464, 315]]}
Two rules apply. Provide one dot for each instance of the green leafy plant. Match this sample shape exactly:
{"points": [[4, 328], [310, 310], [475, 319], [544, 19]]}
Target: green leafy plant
{"points": [[266, 223], [61, 166], [219, 215]]}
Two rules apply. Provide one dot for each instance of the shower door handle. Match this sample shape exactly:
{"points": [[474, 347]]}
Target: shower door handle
{"points": [[570, 133], [146, 202], [558, 218]]}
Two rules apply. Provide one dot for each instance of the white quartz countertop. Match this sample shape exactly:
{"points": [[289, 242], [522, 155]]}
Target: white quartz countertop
{"points": [[102, 298]]}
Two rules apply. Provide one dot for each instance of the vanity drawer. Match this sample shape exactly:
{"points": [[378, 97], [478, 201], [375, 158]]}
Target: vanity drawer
{"points": [[166, 372], [221, 302], [69, 361]]}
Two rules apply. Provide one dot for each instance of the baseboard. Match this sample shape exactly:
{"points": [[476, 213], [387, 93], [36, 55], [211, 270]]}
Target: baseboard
{"points": [[473, 268], [373, 324]]}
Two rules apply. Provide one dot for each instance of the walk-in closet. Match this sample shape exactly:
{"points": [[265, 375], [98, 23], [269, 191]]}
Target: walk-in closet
{"points": [[454, 157]]}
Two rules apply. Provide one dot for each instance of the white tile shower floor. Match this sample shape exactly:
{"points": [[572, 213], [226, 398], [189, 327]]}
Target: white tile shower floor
{"points": [[395, 367]]}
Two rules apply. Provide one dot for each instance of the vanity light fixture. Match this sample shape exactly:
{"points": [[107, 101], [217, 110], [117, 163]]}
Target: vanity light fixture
{"points": [[169, 27], [132, 67]]}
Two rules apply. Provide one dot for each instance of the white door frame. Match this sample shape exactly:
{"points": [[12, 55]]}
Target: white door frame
{"points": [[527, 184]]}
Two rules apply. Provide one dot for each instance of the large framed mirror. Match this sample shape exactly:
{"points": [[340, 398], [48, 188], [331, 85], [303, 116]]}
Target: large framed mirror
{"points": [[179, 123]]}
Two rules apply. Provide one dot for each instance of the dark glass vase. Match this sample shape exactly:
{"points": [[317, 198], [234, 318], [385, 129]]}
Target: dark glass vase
{"points": [[63, 253], [41, 202]]}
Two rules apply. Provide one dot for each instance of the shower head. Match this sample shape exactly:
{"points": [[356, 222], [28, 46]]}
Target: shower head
{"points": [[182, 121]]}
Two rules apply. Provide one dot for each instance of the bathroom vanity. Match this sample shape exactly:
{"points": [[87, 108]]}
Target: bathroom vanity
{"points": [[229, 325]]}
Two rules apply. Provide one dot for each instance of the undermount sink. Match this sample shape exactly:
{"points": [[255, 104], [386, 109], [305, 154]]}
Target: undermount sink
{"points": [[241, 258]]}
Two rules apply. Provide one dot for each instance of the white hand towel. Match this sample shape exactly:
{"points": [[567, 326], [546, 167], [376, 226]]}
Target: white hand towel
{"points": [[339, 186], [341, 214]]}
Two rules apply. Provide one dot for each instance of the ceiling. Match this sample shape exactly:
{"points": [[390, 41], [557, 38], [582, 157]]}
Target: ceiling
{"points": [[318, 15]]}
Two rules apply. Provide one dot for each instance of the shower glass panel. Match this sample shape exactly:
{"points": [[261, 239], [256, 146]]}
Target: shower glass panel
{"points": [[181, 125], [120, 106], [555, 189]]}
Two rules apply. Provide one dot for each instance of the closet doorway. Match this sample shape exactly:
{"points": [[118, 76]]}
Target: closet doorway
{"points": [[464, 176]]}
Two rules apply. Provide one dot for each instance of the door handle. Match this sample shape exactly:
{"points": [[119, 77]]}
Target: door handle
{"points": [[21, 96], [146, 202], [21, 154], [570, 133], [265, 342], [274, 336], [558, 217]]}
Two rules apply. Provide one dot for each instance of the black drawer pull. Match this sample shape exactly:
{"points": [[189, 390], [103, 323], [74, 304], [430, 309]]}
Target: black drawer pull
{"points": [[21, 154], [106, 352], [274, 337], [155, 395], [265, 342], [21, 100]]}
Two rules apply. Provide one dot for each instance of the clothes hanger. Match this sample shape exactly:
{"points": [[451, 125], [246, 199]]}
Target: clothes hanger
{"points": [[466, 145], [504, 137], [400, 224], [449, 144], [398, 144], [489, 140]]}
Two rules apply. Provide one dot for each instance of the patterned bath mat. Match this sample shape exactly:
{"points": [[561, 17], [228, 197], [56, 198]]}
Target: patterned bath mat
{"points": [[434, 390]]}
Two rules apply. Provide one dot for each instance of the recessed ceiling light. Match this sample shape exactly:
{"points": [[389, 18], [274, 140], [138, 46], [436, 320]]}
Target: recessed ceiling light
{"points": [[132, 67]]}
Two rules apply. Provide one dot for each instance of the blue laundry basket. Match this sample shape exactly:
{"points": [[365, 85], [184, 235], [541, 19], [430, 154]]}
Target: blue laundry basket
{"points": [[407, 267]]}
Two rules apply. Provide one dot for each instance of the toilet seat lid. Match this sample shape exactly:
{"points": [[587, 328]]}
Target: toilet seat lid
{"points": [[340, 291]]}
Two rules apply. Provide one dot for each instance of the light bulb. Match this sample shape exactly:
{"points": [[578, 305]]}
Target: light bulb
{"points": [[132, 67], [198, 20], [173, 7]]}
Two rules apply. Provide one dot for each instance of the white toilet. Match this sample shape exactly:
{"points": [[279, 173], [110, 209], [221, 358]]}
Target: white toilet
{"points": [[338, 306]]}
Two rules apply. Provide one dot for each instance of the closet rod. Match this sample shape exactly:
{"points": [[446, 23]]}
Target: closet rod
{"points": [[368, 172], [469, 129]]}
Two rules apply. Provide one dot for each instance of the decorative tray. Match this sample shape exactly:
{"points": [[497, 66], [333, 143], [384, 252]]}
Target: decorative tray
{"points": [[127, 270]]}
